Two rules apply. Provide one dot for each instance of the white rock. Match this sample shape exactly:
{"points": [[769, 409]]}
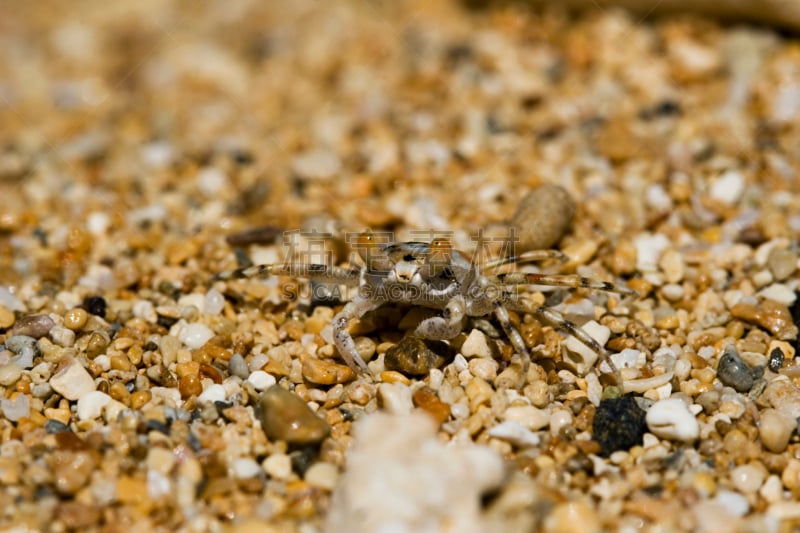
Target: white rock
{"points": [[13, 410], [145, 310], [527, 416], [733, 502], [747, 478], [195, 335], [260, 380], [194, 299], [91, 404], [649, 248], [103, 362], [213, 393], [671, 419], [408, 480], [214, 302], [727, 187], [559, 418], [395, 398], [475, 345], [97, 223], [778, 292], [112, 410], [211, 180], [515, 434], [62, 336], [322, 475], [72, 381], [584, 357], [278, 466], [317, 164], [245, 468]]}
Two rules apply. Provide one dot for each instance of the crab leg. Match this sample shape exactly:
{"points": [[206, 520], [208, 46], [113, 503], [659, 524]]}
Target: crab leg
{"points": [[337, 334], [532, 256], [558, 280], [316, 272]]}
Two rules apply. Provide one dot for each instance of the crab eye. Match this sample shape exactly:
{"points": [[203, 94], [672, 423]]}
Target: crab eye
{"points": [[371, 251], [440, 250]]}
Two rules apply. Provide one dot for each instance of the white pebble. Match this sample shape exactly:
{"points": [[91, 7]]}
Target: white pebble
{"points": [[475, 345], [97, 223], [15, 409], [112, 410], [586, 356], [514, 433], [9, 301], [213, 393], [775, 428], [322, 475], [733, 502], [671, 419], [778, 292], [211, 180], [72, 381], [485, 369], [459, 363], [91, 404], [245, 468], [62, 336], [194, 299], [103, 362], [727, 187], [316, 164], [144, 309], [214, 302], [648, 250], [260, 380], [772, 489], [527, 416], [747, 478], [629, 358], [278, 466], [257, 362], [559, 418], [672, 292], [395, 398], [195, 335]]}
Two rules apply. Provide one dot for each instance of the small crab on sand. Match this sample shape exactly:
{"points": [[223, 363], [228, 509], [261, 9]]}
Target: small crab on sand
{"points": [[435, 275]]}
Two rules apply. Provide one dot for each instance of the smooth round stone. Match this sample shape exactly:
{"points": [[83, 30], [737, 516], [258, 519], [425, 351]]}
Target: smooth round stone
{"points": [[237, 366], [285, 416], [245, 468], [213, 302], [6, 317], [671, 419], [326, 372], [747, 478], [415, 356], [35, 326], [527, 416], [260, 380], [542, 217], [278, 466], [9, 374], [322, 475], [195, 335], [213, 393], [733, 371], [775, 429], [618, 425]]}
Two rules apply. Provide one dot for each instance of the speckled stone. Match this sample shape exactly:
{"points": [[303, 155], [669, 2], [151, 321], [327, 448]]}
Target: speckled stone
{"points": [[284, 416], [734, 372], [543, 216], [35, 326], [415, 356], [619, 424]]}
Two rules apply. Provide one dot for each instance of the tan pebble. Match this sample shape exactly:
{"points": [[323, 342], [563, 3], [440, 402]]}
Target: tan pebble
{"points": [[140, 398], [119, 392], [76, 318], [62, 415], [672, 264], [35, 326], [775, 429], [97, 343], [476, 345], [72, 381], [190, 385], [6, 317], [773, 316], [182, 250], [791, 474], [278, 466], [160, 459], [782, 263], [322, 475], [704, 483], [485, 369], [325, 372], [186, 369], [9, 374], [427, 400], [527, 416], [71, 470], [542, 218], [392, 376], [284, 416], [120, 362], [748, 478], [572, 517], [581, 252], [478, 392], [75, 515], [415, 356], [132, 490], [365, 347], [668, 322], [623, 260]]}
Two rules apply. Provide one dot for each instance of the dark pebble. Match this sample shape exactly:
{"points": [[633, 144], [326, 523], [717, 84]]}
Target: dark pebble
{"points": [[734, 372], [415, 356], [53, 426], [285, 416], [237, 366], [95, 305], [36, 326], [776, 357], [618, 424], [302, 459]]}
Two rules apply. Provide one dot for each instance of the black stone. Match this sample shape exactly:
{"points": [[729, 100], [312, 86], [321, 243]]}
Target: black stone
{"points": [[95, 305], [415, 356], [618, 425], [53, 426]]}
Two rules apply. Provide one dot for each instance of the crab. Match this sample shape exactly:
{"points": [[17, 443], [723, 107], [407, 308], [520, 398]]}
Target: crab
{"points": [[437, 276]]}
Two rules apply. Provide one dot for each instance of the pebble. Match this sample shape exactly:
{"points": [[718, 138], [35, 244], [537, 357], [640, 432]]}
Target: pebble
{"points": [[10, 301], [245, 468], [36, 326], [619, 424], [322, 475], [515, 433], [91, 404], [260, 380], [572, 517], [778, 292], [727, 187], [160, 459], [775, 429], [527, 416], [395, 398], [195, 335], [237, 366], [748, 478], [316, 164], [326, 372], [213, 393], [649, 248], [782, 263], [415, 356], [278, 466], [62, 336], [75, 319], [25, 348], [426, 399], [485, 369], [733, 371], [671, 419], [72, 381], [542, 218], [190, 385], [771, 315], [782, 395], [476, 345], [7, 317], [285, 416], [9, 374], [14, 409]]}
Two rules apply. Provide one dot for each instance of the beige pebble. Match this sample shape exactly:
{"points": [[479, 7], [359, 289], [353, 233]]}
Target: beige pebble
{"points": [[72, 381], [476, 345], [325, 372], [572, 517], [775, 429], [485, 369], [395, 398], [527, 416], [278, 466], [160, 459], [322, 475], [748, 478], [285, 416], [543, 216], [791, 474], [9, 374], [6, 317]]}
